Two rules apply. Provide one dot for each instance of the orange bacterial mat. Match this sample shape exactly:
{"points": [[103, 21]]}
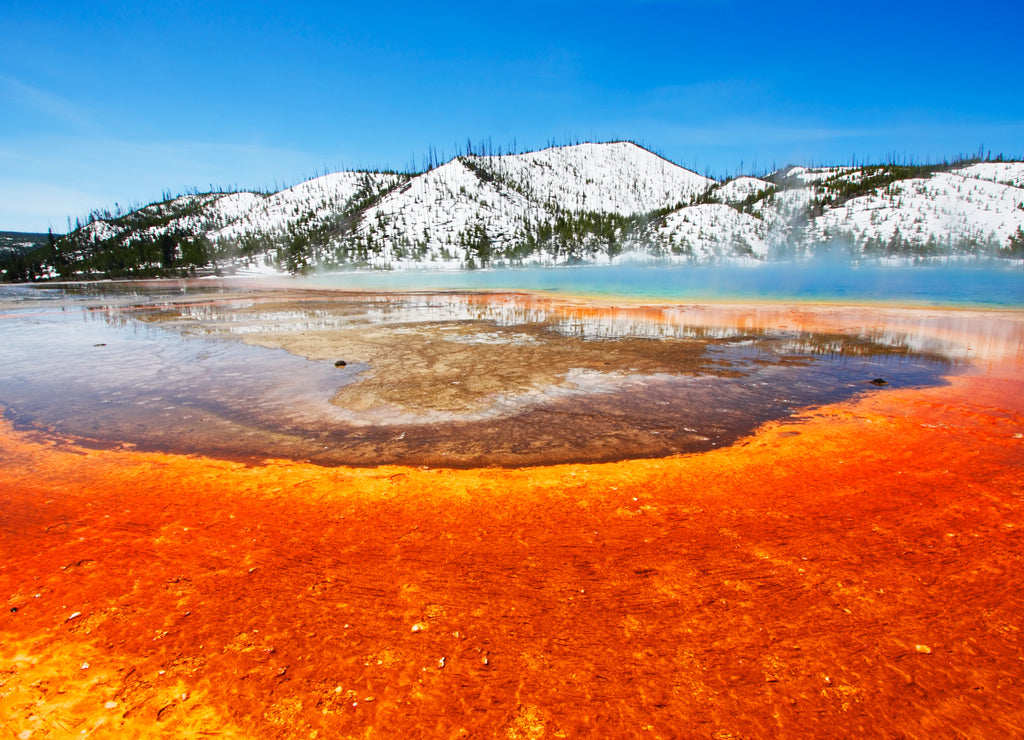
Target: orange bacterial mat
{"points": [[855, 571]]}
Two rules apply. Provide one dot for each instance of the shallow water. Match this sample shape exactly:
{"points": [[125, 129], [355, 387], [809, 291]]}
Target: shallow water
{"points": [[432, 379]]}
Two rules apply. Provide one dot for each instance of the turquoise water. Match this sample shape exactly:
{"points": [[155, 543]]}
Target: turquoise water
{"points": [[990, 285]]}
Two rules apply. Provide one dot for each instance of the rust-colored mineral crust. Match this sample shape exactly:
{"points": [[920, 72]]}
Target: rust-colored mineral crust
{"points": [[854, 572]]}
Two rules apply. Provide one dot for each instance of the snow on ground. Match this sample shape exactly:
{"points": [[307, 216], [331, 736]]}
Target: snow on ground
{"points": [[620, 177], [735, 191], [785, 210], [312, 200], [814, 175], [1008, 173], [99, 230], [713, 230], [247, 269], [432, 210], [509, 196], [497, 204], [944, 206], [204, 213], [233, 206]]}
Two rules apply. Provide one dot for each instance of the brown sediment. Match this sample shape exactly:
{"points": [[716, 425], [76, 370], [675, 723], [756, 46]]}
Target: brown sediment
{"points": [[460, 365], [453, 366], [472, 379], [444, 367], [854, 572]]}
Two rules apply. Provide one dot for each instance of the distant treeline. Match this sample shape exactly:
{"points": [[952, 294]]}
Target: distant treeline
{"points": [[179, 235], [24, 255]]}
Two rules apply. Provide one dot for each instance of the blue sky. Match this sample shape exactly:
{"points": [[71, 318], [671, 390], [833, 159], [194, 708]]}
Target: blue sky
{"points": [[104, 103]]}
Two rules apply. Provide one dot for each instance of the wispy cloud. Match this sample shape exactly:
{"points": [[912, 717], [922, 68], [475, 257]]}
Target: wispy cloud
{"points": [[54, 106]]}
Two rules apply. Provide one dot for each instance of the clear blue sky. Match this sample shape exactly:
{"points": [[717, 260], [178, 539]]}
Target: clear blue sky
{"points": [[116, 102]]}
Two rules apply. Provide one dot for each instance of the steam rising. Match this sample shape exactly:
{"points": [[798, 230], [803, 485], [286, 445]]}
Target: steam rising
{"points": [[830, 277]]}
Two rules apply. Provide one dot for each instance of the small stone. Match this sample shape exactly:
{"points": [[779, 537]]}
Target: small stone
{"points": [[14, 609], [85, 666], [879, 381], [440, 663], [419, 627], [75, 615], [923, 649], [110, 705], [340, 363], [368, 699]]}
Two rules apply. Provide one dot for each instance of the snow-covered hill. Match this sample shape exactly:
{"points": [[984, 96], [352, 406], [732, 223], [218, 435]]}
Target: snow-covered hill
{"points": [[1008, 173], [712, 230], [607, 178], [588, 202], [432, 218], [315, 201], [738, 190], [489, 208], [945, 211], [186, 213]]}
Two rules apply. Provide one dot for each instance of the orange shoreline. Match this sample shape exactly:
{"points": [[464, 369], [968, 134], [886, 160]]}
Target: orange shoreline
{"points": [[856, 571]]}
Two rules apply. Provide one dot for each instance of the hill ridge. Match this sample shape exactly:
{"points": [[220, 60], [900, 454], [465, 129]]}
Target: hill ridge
{"points": [[585, 202]]}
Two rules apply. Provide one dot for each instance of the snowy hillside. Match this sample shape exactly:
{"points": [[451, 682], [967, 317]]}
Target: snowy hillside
{"points": [[315, 200], [432, 217], [583, 203], [485, 209], [606, 178], [187, 213], [738, 190], [944, 211], [712, 230], [1008, 173]]}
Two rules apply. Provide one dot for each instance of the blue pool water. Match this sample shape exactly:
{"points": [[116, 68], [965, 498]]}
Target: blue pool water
{"points": [[990, 285]]}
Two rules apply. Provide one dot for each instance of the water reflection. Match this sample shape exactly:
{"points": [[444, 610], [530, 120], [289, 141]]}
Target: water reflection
{"points": [[165, 367], [934, 336]]}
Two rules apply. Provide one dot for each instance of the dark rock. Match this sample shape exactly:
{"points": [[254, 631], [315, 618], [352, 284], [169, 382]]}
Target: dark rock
{"points": [[879, 381], [340, 363]]}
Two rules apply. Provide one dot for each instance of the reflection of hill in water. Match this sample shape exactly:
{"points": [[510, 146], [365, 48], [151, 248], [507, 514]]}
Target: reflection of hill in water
{"points": [[708, 324], [454, 379]]}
